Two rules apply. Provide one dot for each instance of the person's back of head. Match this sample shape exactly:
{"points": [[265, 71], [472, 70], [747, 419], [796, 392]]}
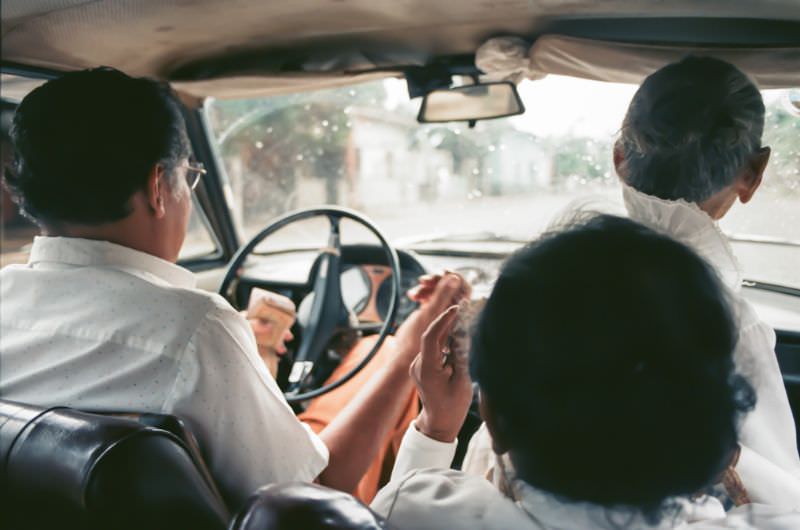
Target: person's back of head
{"points": [[690, 130], [604, 356], [87, 141]]}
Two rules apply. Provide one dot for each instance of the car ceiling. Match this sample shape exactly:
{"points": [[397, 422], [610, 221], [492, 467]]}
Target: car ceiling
{"points": [[243, 47]]}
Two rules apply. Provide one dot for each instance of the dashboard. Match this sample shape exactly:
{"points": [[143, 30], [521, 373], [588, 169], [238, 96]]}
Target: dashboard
{"points": [[366, 289]]}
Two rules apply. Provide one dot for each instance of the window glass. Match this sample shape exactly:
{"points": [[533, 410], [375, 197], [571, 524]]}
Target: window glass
{"points": [[361, 147], [17, 233], [199, 241]]}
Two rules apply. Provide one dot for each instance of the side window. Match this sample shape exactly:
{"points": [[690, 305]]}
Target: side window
{"points": [[200, 241]]}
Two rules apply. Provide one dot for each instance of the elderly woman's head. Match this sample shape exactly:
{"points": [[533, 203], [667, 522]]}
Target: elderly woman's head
{"points": [[692, 129], [604, 357]]}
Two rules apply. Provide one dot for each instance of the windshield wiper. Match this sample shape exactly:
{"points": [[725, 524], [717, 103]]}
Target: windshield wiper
{"points": [[767, 240], [469, 237]]}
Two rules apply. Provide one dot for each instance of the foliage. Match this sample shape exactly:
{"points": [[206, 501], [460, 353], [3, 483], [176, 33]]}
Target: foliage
{"points": [[782, 134]]}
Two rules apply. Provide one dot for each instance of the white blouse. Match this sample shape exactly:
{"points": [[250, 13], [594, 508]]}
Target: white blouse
{"points": [[424, 495], [769, 465]]}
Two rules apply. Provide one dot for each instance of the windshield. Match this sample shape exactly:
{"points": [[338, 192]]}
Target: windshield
{"points": [[446, 186]]}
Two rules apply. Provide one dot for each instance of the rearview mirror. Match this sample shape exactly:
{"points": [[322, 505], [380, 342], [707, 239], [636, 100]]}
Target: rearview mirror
{"points": [[481, 101]]}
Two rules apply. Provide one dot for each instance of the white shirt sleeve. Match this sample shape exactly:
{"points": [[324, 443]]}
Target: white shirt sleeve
{"points": [[417, 451], [768, 430], [767, 483], [444, 499], [248, 433], [752, 517]]}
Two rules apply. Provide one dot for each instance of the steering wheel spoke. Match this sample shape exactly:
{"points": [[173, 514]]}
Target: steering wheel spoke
{"points": [[328, 313]]}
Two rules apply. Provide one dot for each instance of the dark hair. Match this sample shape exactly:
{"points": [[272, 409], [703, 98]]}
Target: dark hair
{"points": [[690, 128], [87, 141], [605, 353]]}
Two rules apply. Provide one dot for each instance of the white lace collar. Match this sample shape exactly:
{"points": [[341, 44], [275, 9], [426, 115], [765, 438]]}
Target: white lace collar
{"points": [[686, 222], [555, 513]]}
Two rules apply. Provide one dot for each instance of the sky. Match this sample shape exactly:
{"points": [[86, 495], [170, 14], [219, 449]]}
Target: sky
{"points": [[558, 105], [555, 105]]}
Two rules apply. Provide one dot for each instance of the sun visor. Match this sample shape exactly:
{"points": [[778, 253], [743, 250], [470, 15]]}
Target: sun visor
{"points": [[620, 62], [254, 86]]}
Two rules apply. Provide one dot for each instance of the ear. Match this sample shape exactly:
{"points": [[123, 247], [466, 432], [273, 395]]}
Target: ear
{"points": [[494, 425], [155, 189], [619, 160], [750, 179]]}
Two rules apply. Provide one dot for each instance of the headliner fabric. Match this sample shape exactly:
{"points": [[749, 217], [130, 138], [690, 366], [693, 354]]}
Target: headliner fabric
{"points": [[285, 46], [631, 63], [255, 86]]}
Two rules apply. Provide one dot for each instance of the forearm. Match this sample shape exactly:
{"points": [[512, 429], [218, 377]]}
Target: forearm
{"points": [[354, 438]]}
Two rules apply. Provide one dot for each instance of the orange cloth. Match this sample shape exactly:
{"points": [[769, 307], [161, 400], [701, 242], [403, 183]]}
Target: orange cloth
{"points": [[323, 409]]}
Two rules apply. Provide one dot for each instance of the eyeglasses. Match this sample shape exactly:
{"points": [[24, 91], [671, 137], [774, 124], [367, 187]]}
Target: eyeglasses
{"points": [[194, 171]]}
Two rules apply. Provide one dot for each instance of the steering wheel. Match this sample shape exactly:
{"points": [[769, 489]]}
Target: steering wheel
{"points": [[328, 315]]}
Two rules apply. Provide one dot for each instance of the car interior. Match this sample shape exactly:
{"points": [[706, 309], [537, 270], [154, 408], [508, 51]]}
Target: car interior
{"points": [[376, 141]]}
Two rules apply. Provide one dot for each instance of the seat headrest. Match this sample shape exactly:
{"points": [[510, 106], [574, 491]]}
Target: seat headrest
{"points": [[307, 506], [70, 468]]}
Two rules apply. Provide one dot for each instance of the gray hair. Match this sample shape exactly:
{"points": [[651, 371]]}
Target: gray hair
{"points": [[690, 129]]}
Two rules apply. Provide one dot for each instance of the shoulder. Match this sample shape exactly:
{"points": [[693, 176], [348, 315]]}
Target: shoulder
{"points": [[754, 516], [445, 498], [756, 337]]}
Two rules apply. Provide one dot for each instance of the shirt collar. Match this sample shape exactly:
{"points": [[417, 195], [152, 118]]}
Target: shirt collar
{"points": [[686, 222], [558, 513], [553, 512], [89, 252]]}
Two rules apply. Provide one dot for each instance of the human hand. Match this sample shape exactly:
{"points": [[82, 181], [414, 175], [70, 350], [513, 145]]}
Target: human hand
{"points": [[423, 292], [435, 293], [270, 316], [442, 380]]}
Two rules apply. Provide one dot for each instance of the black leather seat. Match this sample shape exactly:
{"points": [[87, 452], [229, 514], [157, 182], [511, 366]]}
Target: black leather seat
{"points": [[300, 506], [62, 468]]}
